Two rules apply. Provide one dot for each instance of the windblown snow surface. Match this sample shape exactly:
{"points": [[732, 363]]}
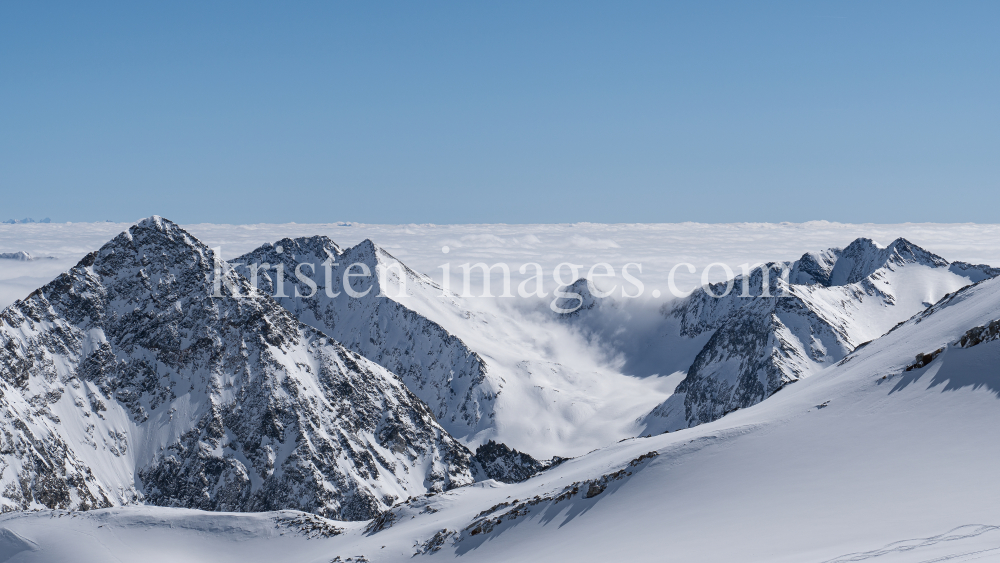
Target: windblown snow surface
{"points": [[886, 453]]}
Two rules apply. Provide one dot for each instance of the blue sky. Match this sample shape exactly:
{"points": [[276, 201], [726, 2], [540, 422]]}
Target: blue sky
{"points": [[461, 112]]}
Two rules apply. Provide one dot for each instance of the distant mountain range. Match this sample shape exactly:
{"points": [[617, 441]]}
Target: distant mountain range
{"points": [[153, 372], [26, 220], [22, 256]]}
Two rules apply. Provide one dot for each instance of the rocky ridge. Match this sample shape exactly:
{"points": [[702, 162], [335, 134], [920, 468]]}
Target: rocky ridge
{"points": [[436, 365], [830, 303]]}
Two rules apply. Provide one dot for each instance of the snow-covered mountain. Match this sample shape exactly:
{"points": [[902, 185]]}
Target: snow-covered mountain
{"points": [[26, 221], [488, 371], [834, 301], [127, 381], [151, 372], [888, 455], [734, 351], [20, 256], [727, 353], [435, 364]]}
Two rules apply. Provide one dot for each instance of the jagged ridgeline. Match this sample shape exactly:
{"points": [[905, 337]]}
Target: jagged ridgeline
{"points": [[124, 380], [833, 301]]}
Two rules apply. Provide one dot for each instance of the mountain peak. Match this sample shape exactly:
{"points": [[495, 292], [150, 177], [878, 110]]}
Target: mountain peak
{"points": [[914, 253], [851, 295], [863, 257], [580, 298], [275, 414], [315, 246], [154, 222], [20, 256], [367, 247], [369, 320]]}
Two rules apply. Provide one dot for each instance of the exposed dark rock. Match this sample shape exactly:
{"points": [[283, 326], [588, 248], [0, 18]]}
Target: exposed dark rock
{"points": [[498, 461], [980, 334], [488, 520], [923, 360]]}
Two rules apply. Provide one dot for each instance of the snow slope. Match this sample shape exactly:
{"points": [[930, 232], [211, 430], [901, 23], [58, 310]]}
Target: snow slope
{"points": [[866, 460]]}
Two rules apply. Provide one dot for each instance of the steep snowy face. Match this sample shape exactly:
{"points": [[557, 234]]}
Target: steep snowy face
{"points": [[150, 371], [307, 278], [836, 300]]}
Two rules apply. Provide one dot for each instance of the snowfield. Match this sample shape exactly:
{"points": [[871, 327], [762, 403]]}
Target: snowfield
{"points": [[879, 451]]}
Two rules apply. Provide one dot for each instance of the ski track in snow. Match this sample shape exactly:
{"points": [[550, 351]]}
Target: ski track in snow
{"points": [[958, 534]]}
